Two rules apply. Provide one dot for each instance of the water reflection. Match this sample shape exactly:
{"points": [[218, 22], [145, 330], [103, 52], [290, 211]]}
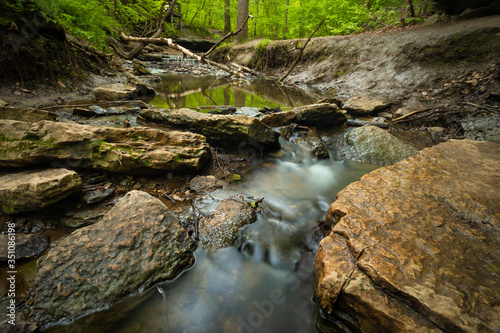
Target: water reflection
{"points": [[180, 90]]}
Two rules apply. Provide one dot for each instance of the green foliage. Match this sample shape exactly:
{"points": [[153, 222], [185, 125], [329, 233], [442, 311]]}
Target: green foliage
{"points": [[94, 19]]}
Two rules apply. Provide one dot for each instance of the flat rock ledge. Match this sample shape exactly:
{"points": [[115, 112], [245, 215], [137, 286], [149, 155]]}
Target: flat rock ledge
{"points": [[227, 131], [415, 246], [320, 115], [130, 150], [36, 189], [138, 243]]}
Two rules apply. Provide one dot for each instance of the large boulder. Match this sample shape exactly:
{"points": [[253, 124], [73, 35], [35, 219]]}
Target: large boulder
{"points": [[220, 228], [228, 131], [130, 150], [138, 243], [32, 190], [415, 246], [320, 115], [371, 144]]}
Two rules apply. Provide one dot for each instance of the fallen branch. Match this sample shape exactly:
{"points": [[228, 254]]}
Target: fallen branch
{"points": [[93, 103], [141, 45], [483, 107], [232, 33], [300, 54], [410, 114], [187, 52]]}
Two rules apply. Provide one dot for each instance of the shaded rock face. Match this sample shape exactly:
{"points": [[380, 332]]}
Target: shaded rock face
{"points": [[27, 245], [112, 92], [219, 229], [129, 150], [138, 243], [374, 145], [321, 115], [32, 190], [227, 131], [482, 127], [415, 245]]}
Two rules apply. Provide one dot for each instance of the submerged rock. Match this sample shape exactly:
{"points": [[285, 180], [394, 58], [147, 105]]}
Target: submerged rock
{"points": [[138, 243], [415, 245], [130, 150], [228, 131], [219, 229], [33, 190], [374, 145], [27, 245]]}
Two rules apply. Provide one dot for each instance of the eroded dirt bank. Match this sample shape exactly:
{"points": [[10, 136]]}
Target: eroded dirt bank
{"points": [[409, 68]]}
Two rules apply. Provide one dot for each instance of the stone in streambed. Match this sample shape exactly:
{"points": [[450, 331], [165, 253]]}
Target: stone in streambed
{"points": [[219, 229], [321, 115], [27, 245], [228, 131], [415, 247], [371, 144], [33, 190], [138, 243], [130, 150]]}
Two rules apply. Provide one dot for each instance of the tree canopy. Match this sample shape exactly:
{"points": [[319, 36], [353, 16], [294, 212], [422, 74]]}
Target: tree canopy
{"points": [[271, 19]]}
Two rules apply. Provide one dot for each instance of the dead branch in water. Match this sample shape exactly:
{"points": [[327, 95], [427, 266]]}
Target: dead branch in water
{"points": [[185, 51], [300, 54]]}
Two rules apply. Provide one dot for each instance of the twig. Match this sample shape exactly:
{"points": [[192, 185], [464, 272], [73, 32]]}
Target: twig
{"points": [[487, 108], [93, 103], [410, 114], [300, 54]]}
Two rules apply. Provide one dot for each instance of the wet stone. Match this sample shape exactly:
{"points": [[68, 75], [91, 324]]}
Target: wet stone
{"points": [[204, 184], [27, 245]]}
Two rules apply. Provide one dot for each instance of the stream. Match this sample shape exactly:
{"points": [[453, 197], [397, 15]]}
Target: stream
{"points": [[265, 283]]}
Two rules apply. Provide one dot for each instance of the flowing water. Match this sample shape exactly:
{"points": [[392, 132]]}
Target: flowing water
{"points": [[264, 284]]}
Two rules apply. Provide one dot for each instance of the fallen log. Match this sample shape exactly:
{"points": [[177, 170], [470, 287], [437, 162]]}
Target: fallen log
{"points": [[185, 51], [359, 123]]}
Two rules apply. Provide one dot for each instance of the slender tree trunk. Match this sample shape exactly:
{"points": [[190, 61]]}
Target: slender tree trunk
{"points": [[285, 27], [411, 9], [241, 16], [227, 16], [255, 19]]}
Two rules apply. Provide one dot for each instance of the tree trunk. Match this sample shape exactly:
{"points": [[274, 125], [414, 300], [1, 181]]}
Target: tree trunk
{"points": [[285, 27], [255, 19], [227, 16], [411, 10], [241, 16]]}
